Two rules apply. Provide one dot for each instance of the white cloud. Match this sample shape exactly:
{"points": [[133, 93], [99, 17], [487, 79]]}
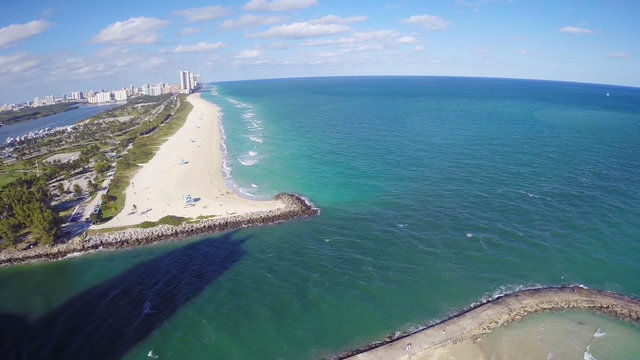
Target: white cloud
{"points": [[247, 21], [201, 46], [405, 40], [618, 55], [14, 33], [278, 5], [573, 30], [429, 22], [194, 15], [302, 30], [139, 30], [356, 38], [419, 48], [17, 63], [335, 19], [248, 54], [188, 31]]}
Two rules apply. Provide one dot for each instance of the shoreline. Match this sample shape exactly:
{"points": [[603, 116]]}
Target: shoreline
{"points": [[471, 324], [295, 207], [188, 163]]}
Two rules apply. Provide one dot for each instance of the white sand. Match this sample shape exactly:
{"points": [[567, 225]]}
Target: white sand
{"points": [[158, 187]]}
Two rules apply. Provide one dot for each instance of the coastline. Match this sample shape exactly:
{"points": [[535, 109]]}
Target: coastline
{"points": [[188, 162], [470, 325], [295, 207]]}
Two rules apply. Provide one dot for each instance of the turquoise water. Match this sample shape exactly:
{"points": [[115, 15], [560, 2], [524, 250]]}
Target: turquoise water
{"points": [[435, 193]]}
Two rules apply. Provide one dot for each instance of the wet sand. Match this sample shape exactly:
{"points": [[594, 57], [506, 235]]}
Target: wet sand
{"points": [[459, 337]]}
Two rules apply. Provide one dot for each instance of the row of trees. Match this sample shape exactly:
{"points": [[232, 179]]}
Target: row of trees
{"points": [[25, 205]]}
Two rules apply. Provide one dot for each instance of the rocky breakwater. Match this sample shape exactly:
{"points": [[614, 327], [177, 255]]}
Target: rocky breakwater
{"points": [[473, 323], [296, 207]]}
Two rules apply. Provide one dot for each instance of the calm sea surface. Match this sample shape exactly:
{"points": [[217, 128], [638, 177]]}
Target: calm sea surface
{"points": [[60, 119], [435, 193]]}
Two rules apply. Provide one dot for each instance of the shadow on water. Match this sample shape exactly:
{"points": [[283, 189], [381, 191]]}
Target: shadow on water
{"points": [[109, 319]]}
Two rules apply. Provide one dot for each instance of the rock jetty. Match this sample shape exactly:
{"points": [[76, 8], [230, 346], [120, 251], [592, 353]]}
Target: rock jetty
{"points": [[473, 323], [296, 207]]}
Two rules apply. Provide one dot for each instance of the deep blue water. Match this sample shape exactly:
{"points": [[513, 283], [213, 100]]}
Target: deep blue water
{"points": [[435, 193]]}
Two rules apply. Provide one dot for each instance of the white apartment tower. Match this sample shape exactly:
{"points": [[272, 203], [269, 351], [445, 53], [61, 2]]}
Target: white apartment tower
{"points": [[185, 81], [120, 95]]}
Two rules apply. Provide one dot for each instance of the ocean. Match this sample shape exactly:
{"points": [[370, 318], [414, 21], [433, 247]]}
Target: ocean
{"points": [[436, 193]]}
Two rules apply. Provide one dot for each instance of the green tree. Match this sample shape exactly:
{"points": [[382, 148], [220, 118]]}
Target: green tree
{"points": [[94, 185], [25, 204], [101, 167], [60, 188], [9, 228], [77, 190]]}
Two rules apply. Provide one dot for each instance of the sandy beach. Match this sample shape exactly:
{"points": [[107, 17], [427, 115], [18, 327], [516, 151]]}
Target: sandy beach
{"points": [[188, 163], [464, 336]]}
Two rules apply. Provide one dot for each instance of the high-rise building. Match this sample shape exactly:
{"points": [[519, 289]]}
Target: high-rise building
{"points": [[130, 90], [36, 101], [48, 100], [185, 81], [77, 95], [120, 95]]}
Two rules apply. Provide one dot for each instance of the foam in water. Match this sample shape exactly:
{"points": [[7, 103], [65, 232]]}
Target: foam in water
{"points": [[599, 333], [588, 356], [257, 139], [248, 162]]}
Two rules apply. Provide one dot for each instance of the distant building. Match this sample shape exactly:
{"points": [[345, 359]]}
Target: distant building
{"points": [[120, 95], [77, 95], [36, 102], [102, 97], [185, 84], [130, 90], [188, 81], [48, 100]]}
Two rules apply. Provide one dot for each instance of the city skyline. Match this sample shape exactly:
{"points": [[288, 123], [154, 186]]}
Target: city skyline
{"points": [[48, 48], [118, 94]]}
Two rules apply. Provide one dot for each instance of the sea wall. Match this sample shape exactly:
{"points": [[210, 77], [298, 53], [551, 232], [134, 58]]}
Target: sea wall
{"points": [[296, 207], [471, 324]]}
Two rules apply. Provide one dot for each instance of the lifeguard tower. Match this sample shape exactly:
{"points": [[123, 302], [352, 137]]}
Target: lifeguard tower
{"points": [[188, 200]]}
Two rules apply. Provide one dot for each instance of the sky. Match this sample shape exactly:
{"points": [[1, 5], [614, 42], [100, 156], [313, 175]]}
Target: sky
{"points": [[56, 47]]}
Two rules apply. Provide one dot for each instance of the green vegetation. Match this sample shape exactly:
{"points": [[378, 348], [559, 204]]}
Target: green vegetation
{"points": [[167, 220], [25, 205], [77, 190], [12, 172], [101, 167], [28, 185], [147, 99], [145, 141], [30, 113]]}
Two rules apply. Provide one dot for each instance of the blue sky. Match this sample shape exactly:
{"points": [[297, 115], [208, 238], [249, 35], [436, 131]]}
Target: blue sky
{"points": [[55, 47]]}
